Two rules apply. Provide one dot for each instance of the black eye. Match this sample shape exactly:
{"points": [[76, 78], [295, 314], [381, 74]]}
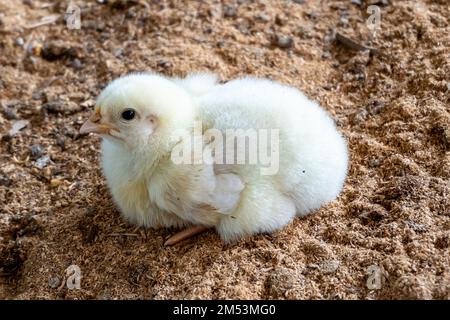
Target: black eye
{"points": [[128, 114]]}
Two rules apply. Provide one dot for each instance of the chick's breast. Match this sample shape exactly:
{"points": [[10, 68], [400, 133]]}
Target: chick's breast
{"points": [[127, 180]]}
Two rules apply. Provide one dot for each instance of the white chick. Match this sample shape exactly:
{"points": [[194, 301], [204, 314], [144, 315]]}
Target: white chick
{"points": [[138, 116]]}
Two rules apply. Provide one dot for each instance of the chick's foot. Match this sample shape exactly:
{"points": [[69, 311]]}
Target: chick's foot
{"points": [[185, 234]]}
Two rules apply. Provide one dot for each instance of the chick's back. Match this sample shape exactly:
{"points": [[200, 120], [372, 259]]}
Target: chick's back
{"points": [[312, 153]]}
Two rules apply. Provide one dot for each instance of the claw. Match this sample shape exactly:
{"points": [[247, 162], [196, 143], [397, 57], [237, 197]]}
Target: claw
{"points": [[185, 234]]}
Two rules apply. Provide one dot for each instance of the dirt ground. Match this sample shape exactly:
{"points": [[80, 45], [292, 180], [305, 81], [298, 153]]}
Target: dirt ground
{"points": [[389, 228]]}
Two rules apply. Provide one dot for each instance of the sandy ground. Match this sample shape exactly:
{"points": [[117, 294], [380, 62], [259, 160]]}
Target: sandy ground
{"points": [[389, 228]]}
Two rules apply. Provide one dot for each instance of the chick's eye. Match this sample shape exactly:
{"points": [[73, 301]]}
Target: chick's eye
{"points": [[128, 114]]}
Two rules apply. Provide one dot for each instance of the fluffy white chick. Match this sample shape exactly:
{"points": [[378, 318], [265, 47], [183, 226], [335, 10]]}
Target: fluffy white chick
{"points": [[137, 116]]}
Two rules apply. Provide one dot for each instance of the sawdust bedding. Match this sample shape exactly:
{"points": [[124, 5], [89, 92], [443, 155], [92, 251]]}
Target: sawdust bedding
{"points": [[392, 105]]}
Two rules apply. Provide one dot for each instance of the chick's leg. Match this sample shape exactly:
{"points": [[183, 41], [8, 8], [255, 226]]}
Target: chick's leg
{"points": [[185, 234]]}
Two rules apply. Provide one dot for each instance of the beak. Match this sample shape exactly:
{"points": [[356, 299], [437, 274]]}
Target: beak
{"points": [[93, 125]]}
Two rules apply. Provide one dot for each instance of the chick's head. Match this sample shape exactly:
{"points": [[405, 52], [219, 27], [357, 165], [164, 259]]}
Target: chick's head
{"points": [[140, 111]]}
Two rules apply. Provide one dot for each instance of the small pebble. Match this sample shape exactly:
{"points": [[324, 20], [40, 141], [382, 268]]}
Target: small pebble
{"points": [[359, 117], [55, 182], [54, 282], [280, 20], [329, 266], [130, 13], [20, 42], [164, 64], [53, 106], [17, 126], [36, 151], [376, 107], [326, 55], [76, 64], [118, 53], [200, 39], [220, 44], [37, 95], [283, 42], [357, 2], [70, 132], [229, 12], [61, 141], [263, 17], [374, 163], [343, 21], [243, 27], [312, 15], [5, 181], [47, 173], [42, 162], [10, 114], [360, 76]]}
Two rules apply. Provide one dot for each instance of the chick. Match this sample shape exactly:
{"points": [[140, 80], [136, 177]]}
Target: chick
{"points": [[144, 118]]}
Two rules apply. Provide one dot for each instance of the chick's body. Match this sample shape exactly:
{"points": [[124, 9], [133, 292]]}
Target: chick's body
{"points": [[236, 199], [312, 154]]}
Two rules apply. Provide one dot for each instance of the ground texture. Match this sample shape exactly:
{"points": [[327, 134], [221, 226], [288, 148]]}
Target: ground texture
{"points": [[389, 228]]}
